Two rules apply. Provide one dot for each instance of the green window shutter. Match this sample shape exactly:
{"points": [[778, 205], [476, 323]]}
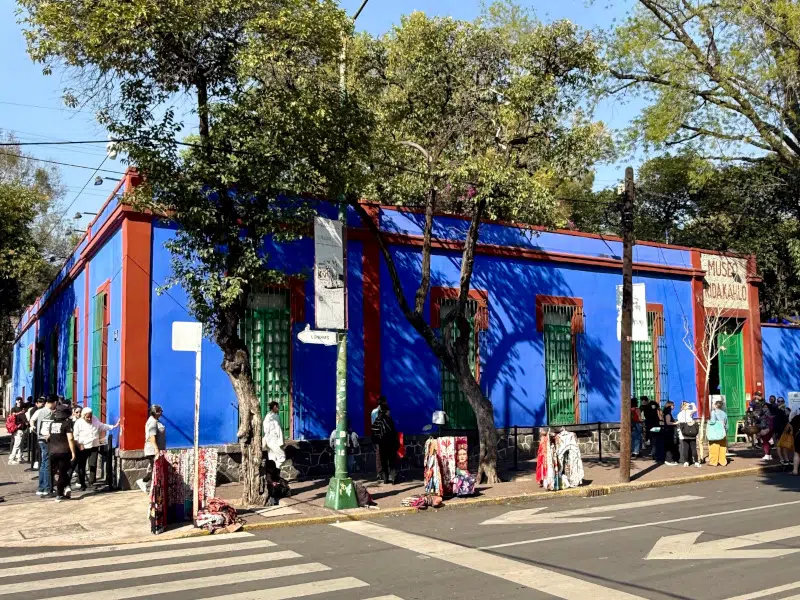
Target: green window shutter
{"points": [[267, 331], [560, 367], [99, 355], [454, 403], [731, 377], [644, 373], [69, 392]]}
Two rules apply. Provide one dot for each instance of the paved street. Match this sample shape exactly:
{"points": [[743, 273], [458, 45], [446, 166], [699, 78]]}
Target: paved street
{"points": [[717, 540]]}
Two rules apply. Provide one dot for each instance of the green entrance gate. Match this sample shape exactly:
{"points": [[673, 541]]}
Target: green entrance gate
{"points": [[731, 377], [267, 331], [559, 359], [644, 371], [454, 403]]}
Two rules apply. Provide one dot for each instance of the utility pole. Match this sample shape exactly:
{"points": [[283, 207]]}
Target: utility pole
{"points": [[626, 327]]}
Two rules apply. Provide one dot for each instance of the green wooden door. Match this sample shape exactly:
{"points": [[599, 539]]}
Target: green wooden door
{"points": [[644, 372], [454, 403], [268, 336], [731, 378], [559, 372]]}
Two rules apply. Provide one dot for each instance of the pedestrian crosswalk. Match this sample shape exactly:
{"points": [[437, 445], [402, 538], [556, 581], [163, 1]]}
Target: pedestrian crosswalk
{"points": [[224, 568]]}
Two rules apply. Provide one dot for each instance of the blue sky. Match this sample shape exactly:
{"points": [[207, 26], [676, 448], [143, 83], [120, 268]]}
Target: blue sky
{"points": [[31, 107]]}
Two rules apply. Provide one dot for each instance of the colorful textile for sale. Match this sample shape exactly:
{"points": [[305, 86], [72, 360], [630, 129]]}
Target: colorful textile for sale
{"points": [[541, 459], [547, 464], [216, 514], [433, 470], [569, 459], [446, 449], [158, 495], [462, 454], [464, 484], [181, 481]]}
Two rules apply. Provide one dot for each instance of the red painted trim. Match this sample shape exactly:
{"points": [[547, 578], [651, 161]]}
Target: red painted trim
{"points": [[371, 285], [450, 293], [86, 310], [529, 254], [297, 315], [528, 227], [757, 357], [134, 401], [698, 312], [577, 317]]}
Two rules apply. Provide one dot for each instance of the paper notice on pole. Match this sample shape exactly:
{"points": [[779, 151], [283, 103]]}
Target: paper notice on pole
{"points": [[639, 331], [794, 401], [329, 284]]}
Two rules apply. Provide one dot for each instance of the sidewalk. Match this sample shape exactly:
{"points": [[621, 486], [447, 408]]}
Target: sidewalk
{"points": [[121, 517], [308, 496]]}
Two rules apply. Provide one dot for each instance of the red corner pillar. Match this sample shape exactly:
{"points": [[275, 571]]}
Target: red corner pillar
{"points": [[371, 280], [135, 364], [699, 313], [757, 351]]}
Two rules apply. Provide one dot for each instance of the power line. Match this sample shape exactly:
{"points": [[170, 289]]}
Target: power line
{"points": [[64, 109], [63, 164]]}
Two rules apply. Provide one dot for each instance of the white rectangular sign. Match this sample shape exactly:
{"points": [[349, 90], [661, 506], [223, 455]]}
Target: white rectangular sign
{"points": [[725, 284], [329, 284], [794, 401], [187, 336], [639, 330]]}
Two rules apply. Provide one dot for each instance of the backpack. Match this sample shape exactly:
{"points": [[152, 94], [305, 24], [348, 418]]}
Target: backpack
{"points": [[690, 431], [11, 423]]}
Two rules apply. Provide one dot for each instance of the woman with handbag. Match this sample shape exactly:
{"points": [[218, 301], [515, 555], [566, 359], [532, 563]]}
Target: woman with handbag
{"points": [[785, 445], [689, 428], [717, 434]]}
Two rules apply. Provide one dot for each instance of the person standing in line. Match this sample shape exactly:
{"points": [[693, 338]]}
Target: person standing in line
{"points": [[155, 436], [384, 435], [61, 451], [273, 436], [668, 429], [42, 420], [717, 436], [765, 424], [88, 431], [689, 428], [795, 424], [636, 429], [20, 422], [779, 422], [651, 419], [383, 403], [31, 408]]}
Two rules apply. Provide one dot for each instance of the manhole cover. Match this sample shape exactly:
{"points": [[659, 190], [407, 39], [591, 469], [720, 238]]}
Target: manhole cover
{"points": [[40, 532]]}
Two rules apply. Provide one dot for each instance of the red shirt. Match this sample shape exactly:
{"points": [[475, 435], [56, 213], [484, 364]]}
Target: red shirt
{"points": [[635, 416]]}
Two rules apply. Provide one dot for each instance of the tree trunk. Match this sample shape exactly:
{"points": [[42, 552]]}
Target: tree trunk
{"points": [[487, 434], [236, 364]]}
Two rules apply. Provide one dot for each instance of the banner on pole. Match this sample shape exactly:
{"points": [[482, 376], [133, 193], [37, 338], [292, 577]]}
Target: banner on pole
{"points": [[329, 283], [639, 331]]}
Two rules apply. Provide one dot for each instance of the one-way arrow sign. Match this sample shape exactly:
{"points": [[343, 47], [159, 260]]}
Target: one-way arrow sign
{"points": [[684, 547], [531, 516]]}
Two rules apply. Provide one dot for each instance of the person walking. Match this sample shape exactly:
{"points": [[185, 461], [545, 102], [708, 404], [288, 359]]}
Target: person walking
{"points": [[19, 422], [717, 434], [636, 429], [689, 429], [61, 451], [41, 421], [273, 435], [88, 431], [384, 435], [155, 436]]}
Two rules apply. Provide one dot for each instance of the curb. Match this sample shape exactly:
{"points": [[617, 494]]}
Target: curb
{"points": [[581, 492]]}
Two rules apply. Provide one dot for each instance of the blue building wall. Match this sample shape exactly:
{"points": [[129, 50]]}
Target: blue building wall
{"points": [[59, 305], [781, 347], [512, 349]]}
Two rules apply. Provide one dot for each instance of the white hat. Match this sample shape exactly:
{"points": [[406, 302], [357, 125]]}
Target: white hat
{"points": [[87, 410]]}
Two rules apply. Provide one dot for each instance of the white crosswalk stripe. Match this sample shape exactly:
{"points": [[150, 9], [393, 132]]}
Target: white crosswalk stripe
{"points": [[216, 568]]}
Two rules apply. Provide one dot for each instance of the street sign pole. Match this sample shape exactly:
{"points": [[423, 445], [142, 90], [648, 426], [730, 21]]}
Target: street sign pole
{"points": [[341, 492]]}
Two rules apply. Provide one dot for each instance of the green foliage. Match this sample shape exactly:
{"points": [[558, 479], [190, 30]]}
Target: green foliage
{"points": [[719, 75]]}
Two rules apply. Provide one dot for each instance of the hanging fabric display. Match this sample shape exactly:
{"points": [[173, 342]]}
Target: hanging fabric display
{"points": [[158, 495], [446, 450], [433, 470], [181, 481], [569, 459]]}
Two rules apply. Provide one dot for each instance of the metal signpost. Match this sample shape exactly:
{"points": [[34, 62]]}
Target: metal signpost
{"points": [[330, 301], [187, 336]]}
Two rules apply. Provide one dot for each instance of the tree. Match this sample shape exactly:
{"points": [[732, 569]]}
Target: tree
{"points": [[32, 240], [719, 74], [481, 118], [261, 77]]}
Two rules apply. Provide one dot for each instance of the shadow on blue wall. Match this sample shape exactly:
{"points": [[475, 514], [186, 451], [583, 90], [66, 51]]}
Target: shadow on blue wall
{"points": [[781, 360]]}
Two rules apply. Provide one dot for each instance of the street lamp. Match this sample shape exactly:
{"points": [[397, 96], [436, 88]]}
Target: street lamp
{"points": [[78, 216], [99, 180]]}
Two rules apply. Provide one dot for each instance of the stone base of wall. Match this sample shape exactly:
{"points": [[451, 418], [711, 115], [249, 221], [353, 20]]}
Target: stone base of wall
{"points": [[314, 458]]}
